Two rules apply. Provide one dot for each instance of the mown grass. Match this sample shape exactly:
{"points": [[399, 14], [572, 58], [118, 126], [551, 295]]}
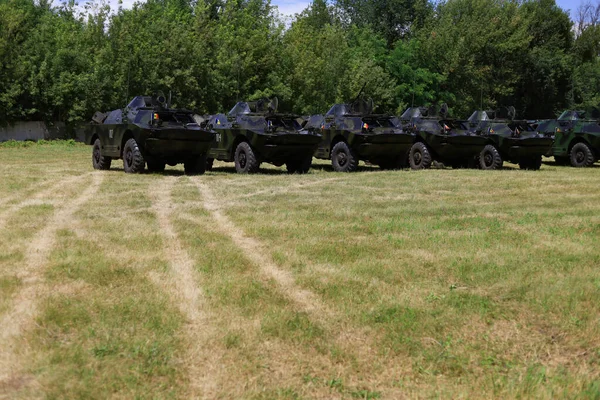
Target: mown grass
{"points": [[440, 283]]}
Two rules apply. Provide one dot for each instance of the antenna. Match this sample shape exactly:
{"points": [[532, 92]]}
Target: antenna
{"points": [[359, 93], [481, 99]]}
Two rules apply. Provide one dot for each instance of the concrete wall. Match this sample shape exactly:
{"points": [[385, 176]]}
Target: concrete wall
{"points": [[33, 130]]}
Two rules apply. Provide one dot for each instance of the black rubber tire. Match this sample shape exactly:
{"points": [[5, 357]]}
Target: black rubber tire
{"points": [[403, 160], [581, 156], [133, 160], [245, 159], [301, 166], [98, 160], [490, 158], [209, 163], [195, 165], [156, 165], [533, 163], [343, 158], [558, 160], [419, 156]]}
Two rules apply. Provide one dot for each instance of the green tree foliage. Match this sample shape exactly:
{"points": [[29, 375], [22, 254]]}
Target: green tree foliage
{"points": [[65, 62]]}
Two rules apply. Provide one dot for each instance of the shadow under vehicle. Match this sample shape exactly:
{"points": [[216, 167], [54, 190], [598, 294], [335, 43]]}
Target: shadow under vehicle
{"points": [[576, 137], [253, 132], [441, 139], [351, 132], [508, 139], [148, 131]]}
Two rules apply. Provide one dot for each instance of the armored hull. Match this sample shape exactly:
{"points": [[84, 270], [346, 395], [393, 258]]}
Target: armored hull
{"points": [[146, 131], [440, 139], [350, 136], [577, 137], [249, 137], [509, 140]]}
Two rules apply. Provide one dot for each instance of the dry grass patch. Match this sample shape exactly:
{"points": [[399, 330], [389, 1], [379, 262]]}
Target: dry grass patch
{"points": [[441, 283]]}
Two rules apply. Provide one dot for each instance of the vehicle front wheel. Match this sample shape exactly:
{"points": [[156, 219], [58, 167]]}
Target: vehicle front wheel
{"points": [[490, 158], [195, 165], [245, 159], [581, 156], [419, 156], [343, 158], [133, 160], [98, 160]]}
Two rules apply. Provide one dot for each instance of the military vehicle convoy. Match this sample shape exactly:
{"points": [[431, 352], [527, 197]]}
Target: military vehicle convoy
{"points": [[148, 131], [576, 137], [253, 132], [441, 139], [508, 140], [351, 132]]}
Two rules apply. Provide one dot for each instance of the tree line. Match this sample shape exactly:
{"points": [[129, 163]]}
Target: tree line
{"points": [[62, 63]]}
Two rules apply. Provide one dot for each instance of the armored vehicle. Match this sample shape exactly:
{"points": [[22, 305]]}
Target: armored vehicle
{"points": [[253, 132], [147, 131], [441, 139], [576, 137], [508, 139], [351, 132]]}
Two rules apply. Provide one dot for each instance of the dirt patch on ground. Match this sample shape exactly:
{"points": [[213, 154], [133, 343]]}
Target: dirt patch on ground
{"points": [[182, 285], [22, 313]]}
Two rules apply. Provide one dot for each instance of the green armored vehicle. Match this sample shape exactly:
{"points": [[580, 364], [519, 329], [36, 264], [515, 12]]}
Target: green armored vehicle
{"points": [[576, 137], [441, 139], [253, 132], [147, 131], [508, 140], [351, 132]]}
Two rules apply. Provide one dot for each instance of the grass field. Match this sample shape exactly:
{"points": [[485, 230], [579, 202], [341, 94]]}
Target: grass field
{"points": [[440, 283]]}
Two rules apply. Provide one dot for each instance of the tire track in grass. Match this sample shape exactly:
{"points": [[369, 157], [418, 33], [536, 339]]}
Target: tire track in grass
{"points": [[284, 189], [257, 252], [182, 285], [41, 197], [16, 320], [357, 342]]}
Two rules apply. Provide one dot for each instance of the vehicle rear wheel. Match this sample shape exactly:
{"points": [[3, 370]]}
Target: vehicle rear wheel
{"points": [[133, 160], [245, 159], [195, 165], [532, 163], [156, 165], [209, 164], [419, 157], [343, 158], [490, 158], [581, 156], [301, 166], [98, 160]]}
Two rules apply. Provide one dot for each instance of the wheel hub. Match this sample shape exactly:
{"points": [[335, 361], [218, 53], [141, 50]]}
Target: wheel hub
{"points": [[579, 156], [242, 160], [418, 157], [129, 157], [342, 159], [488, 159]]}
